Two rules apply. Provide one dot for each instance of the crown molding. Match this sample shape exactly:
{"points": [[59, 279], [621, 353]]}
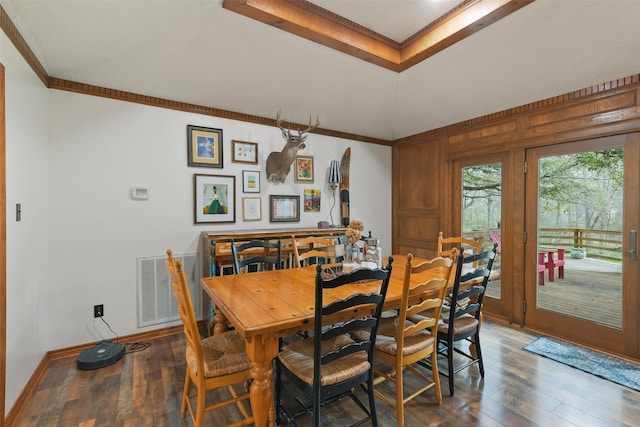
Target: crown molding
{"points": [[322, 26]]}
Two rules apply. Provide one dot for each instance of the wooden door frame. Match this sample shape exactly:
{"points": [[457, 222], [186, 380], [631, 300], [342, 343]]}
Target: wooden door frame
{"points": [[626, 341], [3, 249], [631, 303]]}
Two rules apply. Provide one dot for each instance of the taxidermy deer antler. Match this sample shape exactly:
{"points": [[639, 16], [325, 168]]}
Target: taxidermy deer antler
{"points": [[279, 163]]}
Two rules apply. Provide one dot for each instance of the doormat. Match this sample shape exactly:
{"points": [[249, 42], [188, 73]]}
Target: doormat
{"points": [[599, 364]]}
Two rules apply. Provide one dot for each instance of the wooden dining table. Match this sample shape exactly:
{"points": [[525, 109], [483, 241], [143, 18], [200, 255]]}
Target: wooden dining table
{"points": [[265, 306]]}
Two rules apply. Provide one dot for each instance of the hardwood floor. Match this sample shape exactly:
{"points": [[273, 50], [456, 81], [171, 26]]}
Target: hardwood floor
{"points": [[519, 389]]}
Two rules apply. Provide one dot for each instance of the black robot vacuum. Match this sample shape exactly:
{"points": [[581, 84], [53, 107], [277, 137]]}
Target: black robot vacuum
{"points": [[103, 354]]}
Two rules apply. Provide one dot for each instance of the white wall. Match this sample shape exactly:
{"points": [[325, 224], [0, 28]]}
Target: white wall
{"points": [[72, 161], [101, 148], [28, 282]]}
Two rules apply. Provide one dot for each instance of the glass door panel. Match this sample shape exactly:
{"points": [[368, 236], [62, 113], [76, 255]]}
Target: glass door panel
{"points": [[482, 211], [580, 206], [580, 213]]}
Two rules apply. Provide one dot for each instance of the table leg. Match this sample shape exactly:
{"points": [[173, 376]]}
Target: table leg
{"points": [[220, 323], [261, 350]]}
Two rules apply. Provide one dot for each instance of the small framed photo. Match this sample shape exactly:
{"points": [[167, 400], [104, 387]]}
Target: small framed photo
{"points": [[284, 208], [214, 198], [204, 146], [250, 181], [244, 152], [251, 208], [312, 200], [304, 169]]}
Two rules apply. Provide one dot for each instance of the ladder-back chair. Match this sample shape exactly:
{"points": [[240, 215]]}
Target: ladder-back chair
{"points": [[329, 365], [214, 362], [405, 340]]}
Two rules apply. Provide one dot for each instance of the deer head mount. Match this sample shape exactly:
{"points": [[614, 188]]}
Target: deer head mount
{"points": [[279, 163]]}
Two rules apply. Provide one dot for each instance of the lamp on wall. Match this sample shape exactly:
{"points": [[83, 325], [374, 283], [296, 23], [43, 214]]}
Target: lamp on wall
{"points": [[334, 179]]}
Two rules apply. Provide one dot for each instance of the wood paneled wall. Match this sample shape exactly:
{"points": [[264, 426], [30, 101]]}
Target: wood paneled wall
{"points": [[422, 163], [423, 166]]}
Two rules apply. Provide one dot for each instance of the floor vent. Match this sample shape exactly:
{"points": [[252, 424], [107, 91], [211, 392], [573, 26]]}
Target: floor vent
{"points": [[156, 303]]}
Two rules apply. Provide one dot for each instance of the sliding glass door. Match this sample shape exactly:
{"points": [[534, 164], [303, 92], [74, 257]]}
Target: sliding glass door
{"points": [[581, 236]]}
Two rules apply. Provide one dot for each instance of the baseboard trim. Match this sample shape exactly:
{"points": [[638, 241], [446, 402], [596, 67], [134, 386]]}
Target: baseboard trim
{"points": [[17, 409], [29, 389]]}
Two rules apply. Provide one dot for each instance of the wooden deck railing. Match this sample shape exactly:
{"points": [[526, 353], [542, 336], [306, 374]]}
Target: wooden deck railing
{"points": [[603, 244]]}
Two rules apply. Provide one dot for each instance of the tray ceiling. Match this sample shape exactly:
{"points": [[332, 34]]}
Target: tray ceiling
{"points": [[201, 53]]}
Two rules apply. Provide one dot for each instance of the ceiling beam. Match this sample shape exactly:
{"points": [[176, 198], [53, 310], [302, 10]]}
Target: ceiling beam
{"points": [[319, 25]]}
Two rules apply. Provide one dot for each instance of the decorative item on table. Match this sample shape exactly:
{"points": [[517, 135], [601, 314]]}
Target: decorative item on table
{"points": [[372, 252], [334, 179], [352, 251]]}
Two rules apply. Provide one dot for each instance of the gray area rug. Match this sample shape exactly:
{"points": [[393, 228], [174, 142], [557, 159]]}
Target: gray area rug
{"points": [[602, 365]]}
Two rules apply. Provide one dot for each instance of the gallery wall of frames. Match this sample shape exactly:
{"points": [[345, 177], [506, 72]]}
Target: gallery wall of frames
{"points": [[215, 194]]}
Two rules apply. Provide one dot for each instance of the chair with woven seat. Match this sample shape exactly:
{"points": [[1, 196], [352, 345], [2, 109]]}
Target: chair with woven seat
{"points": [[256, 255], [465, 315], [212, 363], [309, 249], [407, 339], [329, 365]]}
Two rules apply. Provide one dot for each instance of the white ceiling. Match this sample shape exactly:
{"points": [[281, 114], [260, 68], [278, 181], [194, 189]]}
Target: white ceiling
{"points": [[395, 19], [197, 52]]}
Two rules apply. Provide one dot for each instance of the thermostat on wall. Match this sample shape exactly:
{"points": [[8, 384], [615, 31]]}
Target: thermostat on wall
{"points": [[139, 193]]}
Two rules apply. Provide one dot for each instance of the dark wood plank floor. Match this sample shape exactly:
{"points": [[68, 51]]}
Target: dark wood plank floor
{"points": [[519, 389]]}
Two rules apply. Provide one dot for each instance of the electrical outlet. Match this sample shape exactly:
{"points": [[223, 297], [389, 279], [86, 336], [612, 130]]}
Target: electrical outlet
{"points": [[98, 310]]}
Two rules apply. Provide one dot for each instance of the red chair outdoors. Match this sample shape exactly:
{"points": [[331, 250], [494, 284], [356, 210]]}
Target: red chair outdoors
{"points": [[495, 238], [542, 266], [552, 263]]}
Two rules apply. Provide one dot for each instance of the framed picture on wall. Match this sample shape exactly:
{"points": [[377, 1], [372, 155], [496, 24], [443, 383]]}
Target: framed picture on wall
{"points": [[312, 200], [214, 198], [244, 152], [251, 208], [284, 208], [304, 169], [250, 181], [204, 147]]}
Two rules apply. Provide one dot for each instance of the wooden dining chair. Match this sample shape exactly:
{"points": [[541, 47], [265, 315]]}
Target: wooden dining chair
{"points": [[407, 339], [256, 255], [312, 249], [316, 371], [465, 314], [446, 244], [214, 362]]}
